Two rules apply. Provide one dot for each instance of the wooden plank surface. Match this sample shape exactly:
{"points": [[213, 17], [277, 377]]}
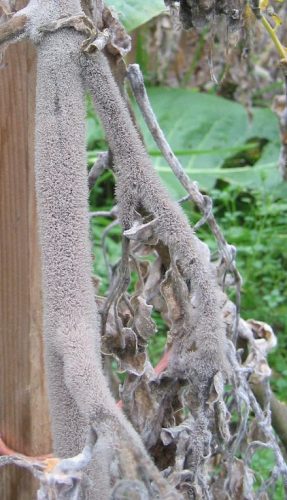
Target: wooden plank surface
{"points": [[24, 420]]}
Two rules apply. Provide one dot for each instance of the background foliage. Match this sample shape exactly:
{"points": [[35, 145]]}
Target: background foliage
{"points": [[133, 13]]}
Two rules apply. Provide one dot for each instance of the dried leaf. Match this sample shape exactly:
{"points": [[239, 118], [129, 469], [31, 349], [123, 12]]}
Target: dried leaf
{"points": [[131, 359], [215, 399], [216, 389], [145, 233], [264, 335], [142, 322], [148, 403], [119, 40], [152, 286], [175, 293], [240, 480], [172, 434], [97, 42]]}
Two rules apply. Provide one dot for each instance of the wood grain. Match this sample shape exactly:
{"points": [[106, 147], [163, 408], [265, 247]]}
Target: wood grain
{"points": [[24, 420]]}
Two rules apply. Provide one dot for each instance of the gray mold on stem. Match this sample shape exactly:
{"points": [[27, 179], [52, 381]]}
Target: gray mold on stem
{"points": [[78, 391], [62, 195], [77, 388], [138, 186]]}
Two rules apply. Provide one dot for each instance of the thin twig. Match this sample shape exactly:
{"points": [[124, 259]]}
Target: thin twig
{"points": [[121, 284], [102, 163], [103, 244], [263, 423], [101, 213]]}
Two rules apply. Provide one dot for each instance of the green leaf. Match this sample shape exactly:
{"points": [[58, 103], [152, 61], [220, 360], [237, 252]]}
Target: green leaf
{"points": [[134, 13], [208, 130], [204, 132]]}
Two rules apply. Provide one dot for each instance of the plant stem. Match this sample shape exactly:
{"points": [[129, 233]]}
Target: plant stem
{"points": [[280, 48]]}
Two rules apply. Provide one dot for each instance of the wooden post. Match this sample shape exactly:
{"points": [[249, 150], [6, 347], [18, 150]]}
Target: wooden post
{"points": [[24, 419]]}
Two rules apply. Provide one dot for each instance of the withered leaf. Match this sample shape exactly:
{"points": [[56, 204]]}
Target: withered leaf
{"points": [[143, 232], [142, 322]]}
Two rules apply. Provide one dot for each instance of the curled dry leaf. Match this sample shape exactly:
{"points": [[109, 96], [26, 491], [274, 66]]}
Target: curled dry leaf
{"points": [[216, 389], [152, 291], [142, 267], [216, 402], [123, 345], [176, 295], [148, 401], [119, 40], [261, 340], [263, 334], [172, 434], [142, 321], [142, 408], [143, 232], [96, 41], [234, 482], [240, 480], [134, 357]]}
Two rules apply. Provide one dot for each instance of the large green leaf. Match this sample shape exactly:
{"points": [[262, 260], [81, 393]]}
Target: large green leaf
{"points": [[133, 13], [205, 130]]}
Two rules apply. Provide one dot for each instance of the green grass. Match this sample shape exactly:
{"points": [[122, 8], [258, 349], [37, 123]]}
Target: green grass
{"points": [[255, 222], [263, 463]]}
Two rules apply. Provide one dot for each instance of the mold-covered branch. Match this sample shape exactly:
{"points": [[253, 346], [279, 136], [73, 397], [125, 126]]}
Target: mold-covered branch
{"points": [[138, 187], [78, 391], [203, 202]]}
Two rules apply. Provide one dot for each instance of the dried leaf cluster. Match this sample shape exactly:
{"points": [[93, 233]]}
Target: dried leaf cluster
{"points": [[197, 449]]}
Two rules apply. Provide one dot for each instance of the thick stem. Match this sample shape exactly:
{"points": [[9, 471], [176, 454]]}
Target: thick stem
{"points": [[139, 186], [78, 390], [62, 205], [203, 202]]}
